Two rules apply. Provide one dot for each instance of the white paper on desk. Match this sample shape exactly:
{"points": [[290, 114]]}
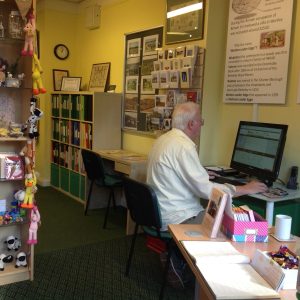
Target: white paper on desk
{"points": [[214, 252], [237, 281], [268, 269]]}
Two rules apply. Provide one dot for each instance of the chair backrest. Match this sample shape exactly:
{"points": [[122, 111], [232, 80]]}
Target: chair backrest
{"points": [[93, 165], [142, 203]]}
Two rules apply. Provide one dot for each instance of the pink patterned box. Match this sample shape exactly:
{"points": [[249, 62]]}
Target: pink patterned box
{"points": [[242, 231]]}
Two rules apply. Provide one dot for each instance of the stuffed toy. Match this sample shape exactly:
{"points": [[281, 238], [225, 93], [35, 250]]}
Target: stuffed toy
{"points": [[28, 157], [29, 30], [37, 84], [36, 114], [19, 195], [30, 190], [5, 259], [21, 260], [13, 243], [35, 218]]}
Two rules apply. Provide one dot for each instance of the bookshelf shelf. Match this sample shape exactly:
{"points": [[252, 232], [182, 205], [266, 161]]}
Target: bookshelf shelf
{"points": [[82, 120]]}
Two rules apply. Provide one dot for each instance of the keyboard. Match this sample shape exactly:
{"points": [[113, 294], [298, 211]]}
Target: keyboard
{"points": [[223, 180]]}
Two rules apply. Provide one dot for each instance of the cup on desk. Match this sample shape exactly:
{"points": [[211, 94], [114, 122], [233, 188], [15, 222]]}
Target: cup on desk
{"points": [[283, 225]]}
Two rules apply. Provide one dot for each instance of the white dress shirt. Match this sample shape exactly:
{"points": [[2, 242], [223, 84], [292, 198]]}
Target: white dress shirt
{"points": [[179, 180]]}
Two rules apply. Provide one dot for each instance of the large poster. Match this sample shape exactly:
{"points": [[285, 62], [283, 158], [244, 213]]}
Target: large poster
{"points": [[257, 53]]}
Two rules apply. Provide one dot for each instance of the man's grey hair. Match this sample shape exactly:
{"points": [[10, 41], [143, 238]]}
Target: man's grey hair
{"points": [[183, 113]]}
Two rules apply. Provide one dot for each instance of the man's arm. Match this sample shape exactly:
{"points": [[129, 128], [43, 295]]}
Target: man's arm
{"points": [[253, 187]]}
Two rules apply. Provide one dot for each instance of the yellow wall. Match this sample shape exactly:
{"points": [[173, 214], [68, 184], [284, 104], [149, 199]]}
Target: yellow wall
{"points": [[66, 24]]}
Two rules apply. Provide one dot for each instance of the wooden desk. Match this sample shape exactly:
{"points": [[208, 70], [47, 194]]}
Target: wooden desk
{"points": [[130, 163], [204, 292], [127, 162]]}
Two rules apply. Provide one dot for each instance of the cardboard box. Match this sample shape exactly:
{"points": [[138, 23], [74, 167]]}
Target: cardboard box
{"points": [[242, 231]]}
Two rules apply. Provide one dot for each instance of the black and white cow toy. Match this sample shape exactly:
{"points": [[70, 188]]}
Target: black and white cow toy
{"points": [[13, 243]]}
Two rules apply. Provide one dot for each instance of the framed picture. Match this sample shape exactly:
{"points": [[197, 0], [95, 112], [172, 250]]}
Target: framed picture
{"points": [[182, 25], [133, 47], [70, 84], [99, 80], [150, 44], [57, 78], [132, 84], [147, 85]]}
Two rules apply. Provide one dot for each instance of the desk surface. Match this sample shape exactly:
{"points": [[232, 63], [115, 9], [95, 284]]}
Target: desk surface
{"points": [[292, 194], [179, 234], [123, 156]]}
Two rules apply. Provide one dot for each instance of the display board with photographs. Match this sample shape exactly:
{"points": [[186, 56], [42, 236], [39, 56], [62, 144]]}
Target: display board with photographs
{"points": [[139, 94], [157, 78]]}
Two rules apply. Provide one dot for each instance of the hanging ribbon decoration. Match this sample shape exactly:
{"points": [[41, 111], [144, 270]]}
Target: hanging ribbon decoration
{"points": [[24, 6]]}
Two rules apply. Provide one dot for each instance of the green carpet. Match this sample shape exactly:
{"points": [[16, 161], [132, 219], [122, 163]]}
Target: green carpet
{"points": [[64, 224], [95, 271], [77, 259]]}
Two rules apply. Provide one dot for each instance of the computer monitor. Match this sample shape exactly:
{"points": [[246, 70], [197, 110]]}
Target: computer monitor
{"points": [[258, 150]]}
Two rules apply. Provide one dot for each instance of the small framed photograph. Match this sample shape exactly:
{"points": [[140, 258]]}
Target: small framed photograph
{"points": [[180, 51], [70, 84], [132, 84], [57, 78], [130, 120], [131, 102], [147, 103], [150, 44], [99, 80], [133, 48], [160, 100], [147, 85]]}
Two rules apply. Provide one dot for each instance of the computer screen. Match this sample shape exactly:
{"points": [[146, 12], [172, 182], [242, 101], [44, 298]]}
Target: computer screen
{"points": [[258, 150]]}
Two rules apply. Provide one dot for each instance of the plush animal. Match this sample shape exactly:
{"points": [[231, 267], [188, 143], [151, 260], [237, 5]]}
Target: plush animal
{"points": [[21, 260], [37, 83], [27, 152], [13, 243], [19, 195], [5, 259], [29, 30], [30, 190], [35, 218], [35, 115]]}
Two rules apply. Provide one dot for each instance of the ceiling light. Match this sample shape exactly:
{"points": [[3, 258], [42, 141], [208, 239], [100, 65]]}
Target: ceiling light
{"points": [[184, 10]]}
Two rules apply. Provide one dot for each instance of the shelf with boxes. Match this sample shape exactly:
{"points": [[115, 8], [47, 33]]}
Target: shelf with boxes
{"points": [[81, 120]]}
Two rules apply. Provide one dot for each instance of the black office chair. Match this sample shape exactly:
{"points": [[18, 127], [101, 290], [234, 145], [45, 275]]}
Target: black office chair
{"points": [[144, 210], [97, 174]]}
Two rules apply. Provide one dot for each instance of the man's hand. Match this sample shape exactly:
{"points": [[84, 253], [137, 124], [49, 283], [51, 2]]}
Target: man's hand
{"points": [[212, 174], [253, 187]]}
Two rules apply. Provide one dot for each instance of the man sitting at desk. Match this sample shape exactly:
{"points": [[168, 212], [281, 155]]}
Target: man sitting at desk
{"points": [[176, 174]]}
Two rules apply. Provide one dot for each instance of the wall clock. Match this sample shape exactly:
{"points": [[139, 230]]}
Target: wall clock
{"points": [[61, 51]]}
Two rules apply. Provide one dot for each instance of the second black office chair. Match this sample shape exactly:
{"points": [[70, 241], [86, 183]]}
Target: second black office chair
{"points": [[144, 210], [97, 174]]}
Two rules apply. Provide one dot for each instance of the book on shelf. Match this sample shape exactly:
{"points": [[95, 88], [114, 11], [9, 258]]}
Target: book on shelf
{"points": [[232, 275], [215, 211]]}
